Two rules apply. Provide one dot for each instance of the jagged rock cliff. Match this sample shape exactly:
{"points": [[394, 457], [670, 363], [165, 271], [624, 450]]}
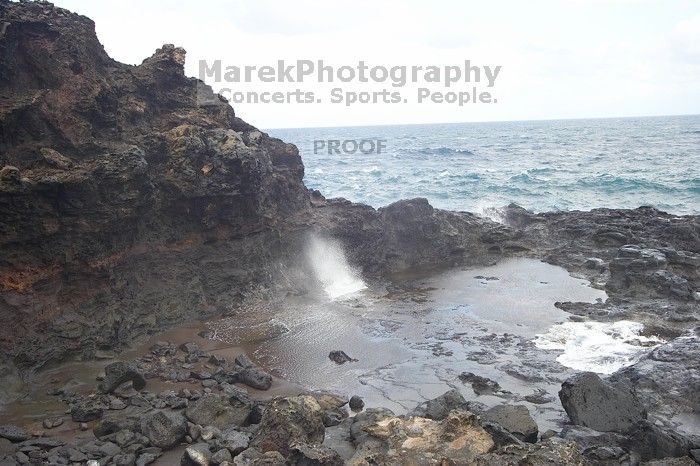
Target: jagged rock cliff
{"points": [[127, 206]]}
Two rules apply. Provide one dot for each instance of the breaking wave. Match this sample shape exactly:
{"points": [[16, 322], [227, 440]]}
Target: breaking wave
{"points": [[597, 346]]}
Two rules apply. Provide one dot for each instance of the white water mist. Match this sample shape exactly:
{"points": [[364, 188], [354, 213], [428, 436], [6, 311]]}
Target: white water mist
{"points": [[328, 262]]}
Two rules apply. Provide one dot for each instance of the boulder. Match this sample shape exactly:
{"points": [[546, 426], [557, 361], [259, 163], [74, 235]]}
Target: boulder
{"points": [[121, 372], [591, 402], [456, 439], [10, 175], [288, 422], [438, 408], [13, 433], [217, 411], [164, 429], [515, 419], [255, 378], [196, 455], [86, 410], [656, 442], [364, 419], [356, 403]]}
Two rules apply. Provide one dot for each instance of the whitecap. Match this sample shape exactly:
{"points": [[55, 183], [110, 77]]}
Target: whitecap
{"points": [[597, 346]]}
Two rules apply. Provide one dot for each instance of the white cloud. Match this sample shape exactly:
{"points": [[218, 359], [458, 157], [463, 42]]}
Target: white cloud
{"points": [[560, 59]]}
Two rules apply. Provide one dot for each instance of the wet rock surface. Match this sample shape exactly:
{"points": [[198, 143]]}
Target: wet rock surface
{"points": [[591, 402]]}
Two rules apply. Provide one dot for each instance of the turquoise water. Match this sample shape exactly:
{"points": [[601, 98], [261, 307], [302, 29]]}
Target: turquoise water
{"points": [[541, 165]]}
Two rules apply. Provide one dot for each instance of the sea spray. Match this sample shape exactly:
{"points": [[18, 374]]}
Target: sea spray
{"points": [[597, 346], [330, 266]]}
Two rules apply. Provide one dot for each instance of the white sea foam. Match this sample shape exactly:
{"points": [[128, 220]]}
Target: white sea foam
{"points": [[328, 261], [597, 346]]}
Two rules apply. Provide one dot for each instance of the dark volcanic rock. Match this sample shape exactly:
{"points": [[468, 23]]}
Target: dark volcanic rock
{"points": [[86, 410], [340, 357], [124, 175], [515, 419], [438, 408], [667, 379], [480, 385], [121, 372], [356, 403], [288, 422], [218, 411], [164, 429], [256, 378], [143, 184], [591, 402], [13, 433], [638, 270]]}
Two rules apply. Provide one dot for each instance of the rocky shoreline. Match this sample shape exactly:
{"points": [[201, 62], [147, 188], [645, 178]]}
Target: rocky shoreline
{"points": [[129, 209]]}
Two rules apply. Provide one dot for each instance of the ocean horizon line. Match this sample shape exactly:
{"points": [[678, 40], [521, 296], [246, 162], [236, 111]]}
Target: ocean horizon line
{"points": [[628, 117]]}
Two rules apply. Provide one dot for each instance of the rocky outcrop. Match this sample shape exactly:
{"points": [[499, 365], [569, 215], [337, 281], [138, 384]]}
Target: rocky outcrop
{"points": [[667, 379], [132, 197], [591, 402]]}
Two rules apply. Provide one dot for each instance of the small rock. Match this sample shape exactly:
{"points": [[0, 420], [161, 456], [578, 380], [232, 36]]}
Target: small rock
{"points": [[290, 421], [86, 411], [221, 456], [196, 455], [438, 408], [340, 357], [217, 360], [256, 378], [146, 458], [244, 361], [190, 348], [51, 423], [480, 385], [356, 403], [10, 175], [209, 383]]}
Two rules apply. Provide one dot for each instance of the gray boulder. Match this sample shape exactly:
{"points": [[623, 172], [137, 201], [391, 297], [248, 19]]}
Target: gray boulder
{"points": [[438, 408], [591, 402], [288, 422], [218, 411], [121, 372], [255, 378], [13, 433], [164, 429], [515, 419]]}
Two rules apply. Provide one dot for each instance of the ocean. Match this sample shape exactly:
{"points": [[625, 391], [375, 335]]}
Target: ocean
{"points": [[540, 165]]}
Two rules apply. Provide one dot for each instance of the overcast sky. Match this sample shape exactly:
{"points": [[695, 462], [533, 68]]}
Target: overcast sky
{"points": [[559, 58]]}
